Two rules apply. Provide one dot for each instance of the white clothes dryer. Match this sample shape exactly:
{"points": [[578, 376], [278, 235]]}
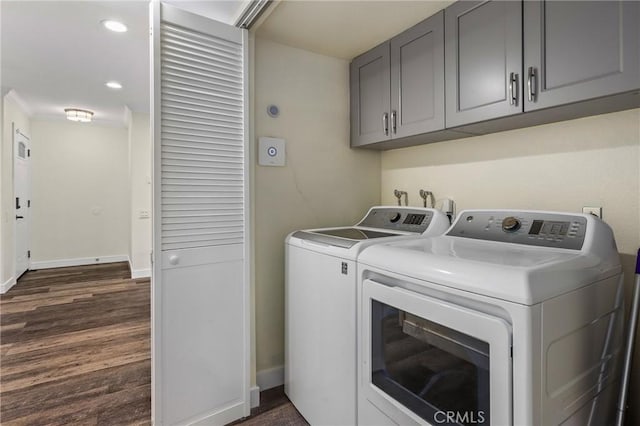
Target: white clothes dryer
{"points": [[320, 307], [510, 318]]}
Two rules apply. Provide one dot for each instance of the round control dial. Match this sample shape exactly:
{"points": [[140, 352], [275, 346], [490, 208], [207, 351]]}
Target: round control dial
{"points": [[394, 217], [511, 224]]}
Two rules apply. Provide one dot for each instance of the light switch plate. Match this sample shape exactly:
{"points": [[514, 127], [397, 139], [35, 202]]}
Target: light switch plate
{"points": [[271, 151]]}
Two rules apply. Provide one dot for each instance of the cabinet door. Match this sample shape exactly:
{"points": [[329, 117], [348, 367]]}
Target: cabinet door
{"points": [[417, 79], [579, 50], [483, 54], [370, 95]]}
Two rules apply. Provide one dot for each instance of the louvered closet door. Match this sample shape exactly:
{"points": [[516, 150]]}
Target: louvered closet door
{"points": [[200, 324]]}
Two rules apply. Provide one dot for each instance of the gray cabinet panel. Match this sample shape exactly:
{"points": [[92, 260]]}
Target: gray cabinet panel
{"points": [[580, 50], [417, 79], [483, 60], [482, 57], [370, 96]]}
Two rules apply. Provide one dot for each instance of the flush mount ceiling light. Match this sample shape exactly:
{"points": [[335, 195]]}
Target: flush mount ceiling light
{"points": [[115, 26], [113, 85], [81, 115]]}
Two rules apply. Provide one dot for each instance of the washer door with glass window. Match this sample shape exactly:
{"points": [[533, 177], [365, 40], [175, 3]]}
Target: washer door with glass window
{"points": [[428, 361]]}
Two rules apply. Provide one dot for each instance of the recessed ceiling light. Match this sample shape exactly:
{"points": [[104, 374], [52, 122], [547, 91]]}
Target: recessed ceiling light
{"points": [[116, 26], [114, 85]]}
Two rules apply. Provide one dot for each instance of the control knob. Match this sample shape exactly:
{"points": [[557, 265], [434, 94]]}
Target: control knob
{"points": [[395, 217], [511, 224]]}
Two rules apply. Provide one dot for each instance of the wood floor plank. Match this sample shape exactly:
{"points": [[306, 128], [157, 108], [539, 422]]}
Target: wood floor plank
{"points": [[76, 336], [69, 290], [68, 356], [14, 326], [75, 348], [21, 402], [52, 300], [86, 411], [81, 314]]}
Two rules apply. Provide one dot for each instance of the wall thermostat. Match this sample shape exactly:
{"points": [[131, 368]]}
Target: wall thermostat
{"points": [[271, 151], [273, 111]]}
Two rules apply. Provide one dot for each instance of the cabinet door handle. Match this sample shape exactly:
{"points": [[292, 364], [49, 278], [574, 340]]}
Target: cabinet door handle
{"points": [[513, 88], [532, 84], [393, 122], [385, 123]]}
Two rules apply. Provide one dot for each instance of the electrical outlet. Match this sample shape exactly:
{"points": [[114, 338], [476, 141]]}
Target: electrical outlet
{"points": [[596, 211]]}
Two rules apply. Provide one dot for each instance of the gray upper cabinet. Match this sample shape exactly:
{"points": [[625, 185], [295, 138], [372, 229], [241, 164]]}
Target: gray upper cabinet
{"points": [[397, 88], [370, 96], [508, 65], [417, 79], [575, 51], [483, 51]]}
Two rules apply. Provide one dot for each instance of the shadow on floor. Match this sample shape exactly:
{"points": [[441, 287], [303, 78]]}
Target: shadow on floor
{"points": [[275, 409]]}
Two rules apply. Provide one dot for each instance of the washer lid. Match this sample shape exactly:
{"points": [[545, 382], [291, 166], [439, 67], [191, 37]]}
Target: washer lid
{"points": [[380, 222], [355, 233], [342, 237]]}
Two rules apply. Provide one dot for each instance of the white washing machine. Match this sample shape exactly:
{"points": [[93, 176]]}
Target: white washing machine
{"points": [[320, 308], [510, 318]]}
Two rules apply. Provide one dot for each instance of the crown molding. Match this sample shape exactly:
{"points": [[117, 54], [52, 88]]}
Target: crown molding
{"points": [[14, 96]]}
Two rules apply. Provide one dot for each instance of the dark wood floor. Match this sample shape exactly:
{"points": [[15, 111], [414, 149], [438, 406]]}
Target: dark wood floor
{"points": [[275, 410], [75, 348]]}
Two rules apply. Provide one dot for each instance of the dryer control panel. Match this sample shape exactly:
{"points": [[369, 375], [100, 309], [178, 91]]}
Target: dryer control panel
{"points": [[530, 228], [398, 218]]}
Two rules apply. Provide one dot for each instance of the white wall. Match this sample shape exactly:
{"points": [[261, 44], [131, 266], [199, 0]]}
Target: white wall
{"points": [[140, 192], [324, 182], [593, 161], [13, 113], [80, 193]]}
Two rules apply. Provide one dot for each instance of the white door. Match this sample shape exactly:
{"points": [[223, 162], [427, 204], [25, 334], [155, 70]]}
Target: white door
{"points": [[22, 153], [200, 285]]}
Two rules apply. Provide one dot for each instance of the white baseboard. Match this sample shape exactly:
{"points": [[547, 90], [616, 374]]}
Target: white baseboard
{"points": [[138, 273], [228, 414], [61, 263], [267, 379], [7, 285], [254, 396], [141, 273]]}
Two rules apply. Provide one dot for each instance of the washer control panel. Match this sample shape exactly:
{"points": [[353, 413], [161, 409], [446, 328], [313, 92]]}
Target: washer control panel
{"points": [[398, 219], [531, 228]]}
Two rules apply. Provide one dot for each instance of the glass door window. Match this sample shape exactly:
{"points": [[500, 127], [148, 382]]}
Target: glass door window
{"points": [[440, 374], [430, 359]]}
